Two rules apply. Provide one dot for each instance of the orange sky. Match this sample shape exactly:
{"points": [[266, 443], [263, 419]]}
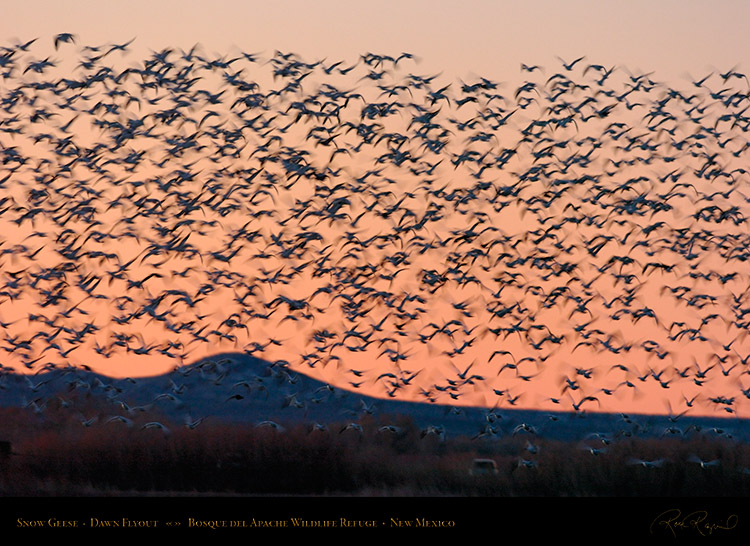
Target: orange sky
{"points": [[673, 37], [455, 41]]}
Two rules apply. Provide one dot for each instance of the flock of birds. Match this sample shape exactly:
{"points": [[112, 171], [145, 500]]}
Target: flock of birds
{"points": [[575, 240]]}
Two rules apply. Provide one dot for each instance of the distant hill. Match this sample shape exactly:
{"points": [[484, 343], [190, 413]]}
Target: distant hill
{"points": [[238, 388]]}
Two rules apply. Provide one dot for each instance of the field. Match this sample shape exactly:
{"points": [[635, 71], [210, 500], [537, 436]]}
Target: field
{"points": [[60, 457]]}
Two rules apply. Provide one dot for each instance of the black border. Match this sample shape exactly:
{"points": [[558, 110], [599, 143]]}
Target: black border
{"points": [[533, 517]]}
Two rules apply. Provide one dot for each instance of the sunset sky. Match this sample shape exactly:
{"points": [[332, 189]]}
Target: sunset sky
{"points": [[671, 37], [676, 43]]}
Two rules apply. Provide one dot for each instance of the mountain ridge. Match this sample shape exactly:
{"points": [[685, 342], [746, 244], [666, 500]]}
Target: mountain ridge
{"points": [[236, 388]]}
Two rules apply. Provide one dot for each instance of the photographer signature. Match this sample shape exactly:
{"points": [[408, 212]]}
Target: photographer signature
{"points": [[674, 521]]}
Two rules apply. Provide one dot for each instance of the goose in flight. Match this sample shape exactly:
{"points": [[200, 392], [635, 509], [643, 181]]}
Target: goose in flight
{"points": [[569, 66], [389, 428], [525, 463], [352, 426], [65, 37], [655, 463], [156, 425], [193, 423], [270, 424], [524, 427], [436, 430], [87, 422], [120, 419], [703, 464], [595, 450]]}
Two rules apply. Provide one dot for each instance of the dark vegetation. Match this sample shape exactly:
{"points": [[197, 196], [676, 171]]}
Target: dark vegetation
{"points": [[58, 456]]}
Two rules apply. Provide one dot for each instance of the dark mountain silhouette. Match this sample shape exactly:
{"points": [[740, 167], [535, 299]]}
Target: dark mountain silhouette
{"points": [[242, 389]]}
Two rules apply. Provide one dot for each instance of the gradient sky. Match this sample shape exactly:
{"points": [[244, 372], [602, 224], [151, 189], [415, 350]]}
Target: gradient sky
{"points": [[677, 40], [672, 37]]}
